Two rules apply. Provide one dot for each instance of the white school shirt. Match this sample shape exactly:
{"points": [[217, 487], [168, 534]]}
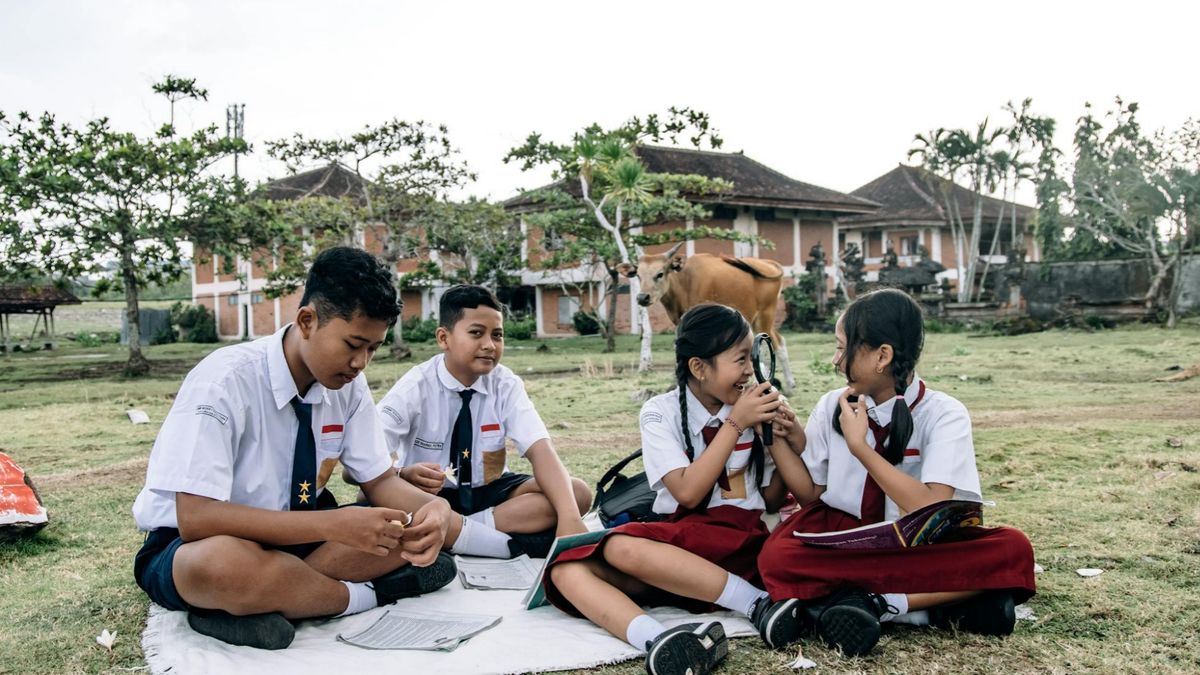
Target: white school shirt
{"points": [[663, 451], [940, 450], [419, 412], [231, 434]]}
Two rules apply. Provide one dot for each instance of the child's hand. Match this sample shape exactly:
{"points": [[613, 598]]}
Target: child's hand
{"points": [[427, 476], [755, 406], [785, 425], [375, 530], [854, 420], [426, 535]]}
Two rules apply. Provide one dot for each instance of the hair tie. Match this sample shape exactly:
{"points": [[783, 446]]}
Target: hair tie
{"points": [[899, 397]]}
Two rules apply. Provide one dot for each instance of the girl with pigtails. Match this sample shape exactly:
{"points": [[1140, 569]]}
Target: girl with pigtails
{"points": [[714, 478], [881, 447]]}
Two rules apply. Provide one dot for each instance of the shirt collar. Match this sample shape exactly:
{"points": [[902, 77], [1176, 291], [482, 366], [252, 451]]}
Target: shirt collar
{"points": [[882, 413], [283, 385], [450, 382], [698, 415]]}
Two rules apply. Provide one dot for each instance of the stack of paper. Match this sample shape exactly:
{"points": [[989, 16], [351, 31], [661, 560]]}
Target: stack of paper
{"points": [[491, 574], [411, 629]]}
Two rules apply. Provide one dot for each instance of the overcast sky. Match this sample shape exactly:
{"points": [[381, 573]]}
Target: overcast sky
{"points": [[828, 93]]}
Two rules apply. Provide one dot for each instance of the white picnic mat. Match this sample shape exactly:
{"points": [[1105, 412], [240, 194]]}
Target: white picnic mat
{"points": [[543, 639]]}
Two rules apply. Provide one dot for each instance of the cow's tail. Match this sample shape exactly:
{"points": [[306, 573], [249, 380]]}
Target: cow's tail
{"points": [[751, 269]]}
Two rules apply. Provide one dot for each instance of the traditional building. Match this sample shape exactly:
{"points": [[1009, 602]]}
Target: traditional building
{"points": [[791, 214], [913, 215]]}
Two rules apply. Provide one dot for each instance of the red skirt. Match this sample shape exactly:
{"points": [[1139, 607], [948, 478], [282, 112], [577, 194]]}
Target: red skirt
{"points": [[982, 558], [727, 536]]}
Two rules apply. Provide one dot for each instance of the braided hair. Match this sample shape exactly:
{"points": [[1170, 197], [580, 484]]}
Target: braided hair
{"points": [[887, 316], [705, 331]]}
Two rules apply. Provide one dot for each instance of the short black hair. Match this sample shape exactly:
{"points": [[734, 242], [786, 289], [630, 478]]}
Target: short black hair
{"points": [[345, 280], [461, 297]]}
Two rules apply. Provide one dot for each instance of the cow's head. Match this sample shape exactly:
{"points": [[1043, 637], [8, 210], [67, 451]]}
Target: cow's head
{"points": [[653, 272]]}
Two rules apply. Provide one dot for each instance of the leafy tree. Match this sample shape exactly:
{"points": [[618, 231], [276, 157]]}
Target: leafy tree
{"points": [[405, 168], [73, 199], [478, 242], [605, 194]]}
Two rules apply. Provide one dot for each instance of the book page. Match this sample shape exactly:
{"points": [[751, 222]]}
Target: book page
{"points": [[489, 574], [411, 629]]}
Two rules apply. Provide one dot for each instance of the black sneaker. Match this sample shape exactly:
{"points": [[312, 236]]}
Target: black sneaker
{"points": [[261, 631], [780, 623], [533, 544], [989, 613], [850, 620], [409, 580], [689, 649]]}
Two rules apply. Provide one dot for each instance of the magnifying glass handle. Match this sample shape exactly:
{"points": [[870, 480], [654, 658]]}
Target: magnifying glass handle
{"points": [[768, 435]]}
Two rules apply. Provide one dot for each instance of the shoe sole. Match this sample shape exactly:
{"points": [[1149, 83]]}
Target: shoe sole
{"points": [[783, 625], [261, 631], [414, 581], [851, 629], [984, 615], [689, 653]]}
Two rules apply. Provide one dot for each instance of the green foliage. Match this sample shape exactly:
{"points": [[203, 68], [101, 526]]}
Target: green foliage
{"points": [[195, 322], [586, 323], [417, 329], [801, 303], [520, 329], [98, 338]]}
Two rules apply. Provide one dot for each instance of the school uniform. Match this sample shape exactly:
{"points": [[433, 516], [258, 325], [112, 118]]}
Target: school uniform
{"points": [[728, 531], [234, 434], [941, 450], [421, 411]]}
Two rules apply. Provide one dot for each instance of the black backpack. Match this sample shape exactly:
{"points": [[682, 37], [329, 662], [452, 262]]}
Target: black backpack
{"points": [[623, 499]]}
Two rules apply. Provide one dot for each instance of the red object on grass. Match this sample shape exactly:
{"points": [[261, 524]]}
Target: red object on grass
{"points": [[21, 510]]}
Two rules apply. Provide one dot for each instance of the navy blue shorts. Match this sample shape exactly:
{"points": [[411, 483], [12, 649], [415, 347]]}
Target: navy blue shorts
{"points": [[485, 496], [153, 564]]}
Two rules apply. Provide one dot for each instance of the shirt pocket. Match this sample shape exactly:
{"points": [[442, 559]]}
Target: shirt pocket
{"points": [[329, 453], [493, 464], [491, 436]]}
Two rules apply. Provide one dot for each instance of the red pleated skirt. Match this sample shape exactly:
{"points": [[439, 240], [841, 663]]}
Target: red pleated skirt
{"points": [[980, 558], [727, 536]]}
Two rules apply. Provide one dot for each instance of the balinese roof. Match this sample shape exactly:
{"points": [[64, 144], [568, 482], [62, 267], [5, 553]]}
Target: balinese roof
{"points": [[333, 180], [754, 184], [19, 298], [914, 196]]}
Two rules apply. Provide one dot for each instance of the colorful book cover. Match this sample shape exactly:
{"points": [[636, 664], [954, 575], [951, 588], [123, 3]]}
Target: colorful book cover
{"points": [[926, 525], [536, 597]]}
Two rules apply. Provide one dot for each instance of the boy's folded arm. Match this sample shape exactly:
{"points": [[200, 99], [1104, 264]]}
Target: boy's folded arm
{"points": [[202, 517], [554, 481]]}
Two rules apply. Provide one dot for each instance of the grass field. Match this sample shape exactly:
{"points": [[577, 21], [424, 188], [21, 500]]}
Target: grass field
{"points": [[1072, 437]]}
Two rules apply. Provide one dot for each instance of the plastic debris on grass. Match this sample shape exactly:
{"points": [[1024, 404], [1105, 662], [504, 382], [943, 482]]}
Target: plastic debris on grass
{"points": [[802, 663], [1089, 572], [106, 639], [138, 416], [1025, 613]]}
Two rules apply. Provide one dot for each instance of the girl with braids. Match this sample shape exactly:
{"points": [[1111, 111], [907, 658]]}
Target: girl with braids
{"points": [[883, 446], [714, 479]]}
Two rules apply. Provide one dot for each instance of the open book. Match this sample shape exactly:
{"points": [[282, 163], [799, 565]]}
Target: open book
{"points": [[536, 597], [926, 525]]}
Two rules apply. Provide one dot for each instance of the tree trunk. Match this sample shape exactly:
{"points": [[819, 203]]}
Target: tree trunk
{"points": [[137, 365], [610, 321], [992, 250], [973, 248], [645, 360]]}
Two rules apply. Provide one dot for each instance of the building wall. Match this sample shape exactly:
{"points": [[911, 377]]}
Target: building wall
{"points": [[715, 246], [204, 268], [813, 231], [227, 318], [262, 314], [781, 234], [413, 304]]}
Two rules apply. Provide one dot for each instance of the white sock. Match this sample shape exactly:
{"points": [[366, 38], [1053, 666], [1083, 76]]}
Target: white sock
{"points": [[485, 517], [896, 601], [642, 630], [479, 539], [917, 618], [739, 595], [362, 598]]}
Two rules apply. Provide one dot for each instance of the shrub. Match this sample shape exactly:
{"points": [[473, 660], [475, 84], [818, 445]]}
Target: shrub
{"points": [[98, 338], [800, 303], [195, 322], [586, 323], [416, 329], [519, 329]]}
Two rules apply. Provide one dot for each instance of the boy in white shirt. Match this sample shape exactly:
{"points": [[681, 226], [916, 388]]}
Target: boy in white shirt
{"points": [[447, 421], [240, 532]]}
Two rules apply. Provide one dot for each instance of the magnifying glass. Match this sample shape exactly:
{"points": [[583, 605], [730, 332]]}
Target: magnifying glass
{"points": [[762, 355]]}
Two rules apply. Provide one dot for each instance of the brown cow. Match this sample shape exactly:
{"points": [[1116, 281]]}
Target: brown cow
{"points": [[750, 285]]}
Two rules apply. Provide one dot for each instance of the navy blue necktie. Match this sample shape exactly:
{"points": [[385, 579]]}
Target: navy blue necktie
{"points": [[460, 445], [303, 488]]}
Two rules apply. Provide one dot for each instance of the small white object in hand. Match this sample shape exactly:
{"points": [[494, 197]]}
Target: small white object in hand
{"points": [[106, 639], [451, 475], [1089, 572], [1038, 569], [1024, 613], [138, 416], [802, 663]]}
